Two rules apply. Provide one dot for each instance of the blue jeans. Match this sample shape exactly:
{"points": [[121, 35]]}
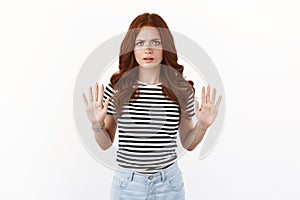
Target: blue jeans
{"points": [[164, 185]]}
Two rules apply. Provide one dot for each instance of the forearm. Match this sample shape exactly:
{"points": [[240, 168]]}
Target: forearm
{"points": [[194, 137], [102, 137]]}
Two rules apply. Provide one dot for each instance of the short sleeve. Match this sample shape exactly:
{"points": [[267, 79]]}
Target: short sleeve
{"points": [[109, 92], [190, 109]]}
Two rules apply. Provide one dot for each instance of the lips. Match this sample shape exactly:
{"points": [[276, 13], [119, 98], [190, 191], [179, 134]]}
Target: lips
{"points": [[148, 58]]}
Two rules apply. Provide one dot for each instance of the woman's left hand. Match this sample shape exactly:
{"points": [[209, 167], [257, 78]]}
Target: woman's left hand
{"points": [[209, 109]]}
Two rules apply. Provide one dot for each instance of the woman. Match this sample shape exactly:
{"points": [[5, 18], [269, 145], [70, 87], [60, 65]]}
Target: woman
{"points": [[150, 102]]}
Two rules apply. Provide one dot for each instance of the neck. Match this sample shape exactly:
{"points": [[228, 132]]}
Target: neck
{"points": [[149, 76]]}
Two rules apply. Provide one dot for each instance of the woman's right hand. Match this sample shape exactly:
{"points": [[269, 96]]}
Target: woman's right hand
{"points": [[94, 107]]}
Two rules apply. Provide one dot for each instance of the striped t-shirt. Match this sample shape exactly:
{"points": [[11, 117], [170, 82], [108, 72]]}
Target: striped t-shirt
{"points": [[147, 128]]}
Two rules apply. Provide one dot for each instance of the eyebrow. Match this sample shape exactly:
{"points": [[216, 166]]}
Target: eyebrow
{"points": [[150, 40]]}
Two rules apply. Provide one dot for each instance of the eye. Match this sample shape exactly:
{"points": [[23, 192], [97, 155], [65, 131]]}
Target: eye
{"points": [[156, 42], [139, 43]]}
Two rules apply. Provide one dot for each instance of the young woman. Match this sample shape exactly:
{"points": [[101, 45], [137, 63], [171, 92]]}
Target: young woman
{"points": [[150, 102]]}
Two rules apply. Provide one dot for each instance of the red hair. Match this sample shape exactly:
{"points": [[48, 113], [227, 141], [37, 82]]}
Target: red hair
{"points": [[174, 85]]}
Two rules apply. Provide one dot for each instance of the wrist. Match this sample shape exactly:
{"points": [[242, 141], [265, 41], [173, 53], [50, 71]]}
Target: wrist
{"points": [[98, 124], [98, 127], [202, 127]]}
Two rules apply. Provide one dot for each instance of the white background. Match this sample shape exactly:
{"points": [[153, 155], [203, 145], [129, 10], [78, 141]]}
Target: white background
{"points": [[254, 44]]}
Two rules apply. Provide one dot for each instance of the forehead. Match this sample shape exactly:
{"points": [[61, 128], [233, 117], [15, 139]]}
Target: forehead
{"points": [[148, 33]]}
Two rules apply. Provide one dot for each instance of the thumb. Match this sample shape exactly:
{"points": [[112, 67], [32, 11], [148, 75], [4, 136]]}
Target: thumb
{"points": [[106, 103], [196, 105]]}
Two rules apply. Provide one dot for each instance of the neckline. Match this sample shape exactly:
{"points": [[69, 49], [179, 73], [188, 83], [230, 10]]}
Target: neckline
{"points": [[148, 84]]}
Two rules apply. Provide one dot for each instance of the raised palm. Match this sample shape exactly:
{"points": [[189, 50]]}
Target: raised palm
{"points": [[95, 110], [209, 109]]}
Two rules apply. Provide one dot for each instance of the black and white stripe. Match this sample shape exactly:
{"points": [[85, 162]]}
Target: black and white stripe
{"points": [[147, 129]]}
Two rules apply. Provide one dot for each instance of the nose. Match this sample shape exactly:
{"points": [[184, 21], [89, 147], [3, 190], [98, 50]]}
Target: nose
{"points": [[148, 50]]}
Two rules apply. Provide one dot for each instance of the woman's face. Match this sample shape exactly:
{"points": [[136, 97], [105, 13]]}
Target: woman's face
{"points": [[148, 48]]}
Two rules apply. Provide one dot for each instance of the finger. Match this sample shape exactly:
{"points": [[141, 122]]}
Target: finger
{"points": [[208, 94], [90, 94], [85, 101], [213, 96], [196, 105], [101, 94], [203, 96], [106, 103], [96, 92], [218, 103]]}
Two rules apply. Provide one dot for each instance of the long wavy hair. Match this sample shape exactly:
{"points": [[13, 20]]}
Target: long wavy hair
{"points": [[174, 85]]}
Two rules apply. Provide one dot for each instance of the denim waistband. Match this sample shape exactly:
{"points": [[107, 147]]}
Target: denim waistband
{"points": [[134, 175]]}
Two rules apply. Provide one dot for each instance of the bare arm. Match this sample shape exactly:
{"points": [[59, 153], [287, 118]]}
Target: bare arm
{"points": [[190, 135], [106, 137], [96, 111]]}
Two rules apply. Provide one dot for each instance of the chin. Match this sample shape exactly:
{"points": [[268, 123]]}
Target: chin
{"points": [[150, 65]]}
